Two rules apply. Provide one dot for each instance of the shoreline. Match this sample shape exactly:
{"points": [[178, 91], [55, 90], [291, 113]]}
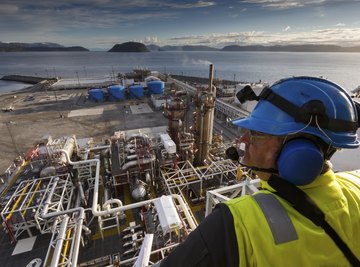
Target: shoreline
{"points": [[36, 84]]}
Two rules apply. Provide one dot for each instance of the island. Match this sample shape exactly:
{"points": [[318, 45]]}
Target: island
{"points": [[37, 47], [129, 47]]}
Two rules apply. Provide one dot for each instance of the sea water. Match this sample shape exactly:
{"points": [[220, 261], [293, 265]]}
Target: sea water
{"points": [[8, 86], [342, 68]]}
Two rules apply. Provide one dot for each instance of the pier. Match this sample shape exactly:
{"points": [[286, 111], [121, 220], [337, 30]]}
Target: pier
{"points": [[23, 79]]}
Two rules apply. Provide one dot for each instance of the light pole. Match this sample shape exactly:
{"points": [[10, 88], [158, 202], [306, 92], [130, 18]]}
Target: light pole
{"points": [[77, 75], [12, 137]]}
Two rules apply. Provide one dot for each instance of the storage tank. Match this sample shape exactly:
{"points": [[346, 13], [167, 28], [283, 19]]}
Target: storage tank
{"points": [[137, 91], [116, 92], [156, 87], [96, 94]]}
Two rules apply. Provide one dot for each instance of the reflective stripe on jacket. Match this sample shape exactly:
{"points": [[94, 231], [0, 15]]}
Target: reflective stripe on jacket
{"points": [[270, 232]]}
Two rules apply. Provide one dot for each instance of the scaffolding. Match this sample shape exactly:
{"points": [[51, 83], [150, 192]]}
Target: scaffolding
{"points": [[216, 196], [20, 213], [184, 174], [57, 198]]}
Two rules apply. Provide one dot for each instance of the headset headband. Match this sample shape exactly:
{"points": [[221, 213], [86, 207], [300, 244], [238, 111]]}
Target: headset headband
{"points": [[312, 112]]}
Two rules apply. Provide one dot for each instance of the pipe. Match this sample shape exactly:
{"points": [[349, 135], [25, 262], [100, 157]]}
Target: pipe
{"points": [[48, 200], [66, 247], [80, 222], [60, 241], [145, 251], [86, 229], [107, 203], [191, 222], [212, 91], [121, 208], [135, 162], [87, 151], [82, 194], [45, 215], [147, 177], [130, 157], [106, 193]]}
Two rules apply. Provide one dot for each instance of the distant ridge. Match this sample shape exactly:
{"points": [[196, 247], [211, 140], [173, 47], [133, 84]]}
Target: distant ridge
{"points": [[187, 48], [140, 47], [293, 48], [37, 47], [274, 48], [129, 47]]}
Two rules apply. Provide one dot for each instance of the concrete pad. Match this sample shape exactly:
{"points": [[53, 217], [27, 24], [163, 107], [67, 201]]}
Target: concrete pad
{"points": [[140, 108], [59, 97], [24, 245], [86, 112]]}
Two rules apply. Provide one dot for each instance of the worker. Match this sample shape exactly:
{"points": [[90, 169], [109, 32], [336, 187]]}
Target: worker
{"points": [[304, 214]]}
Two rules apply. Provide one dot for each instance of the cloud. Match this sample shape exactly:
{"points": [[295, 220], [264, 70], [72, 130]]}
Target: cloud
{"points": [[286, 29], [151, 40], [288, 4], [8, 9], [336, 36], [340, 24], [50, 18], [192, 5]]}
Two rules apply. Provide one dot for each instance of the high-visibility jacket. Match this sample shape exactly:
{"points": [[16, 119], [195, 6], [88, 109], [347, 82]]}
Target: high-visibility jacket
{"points": [[270, 232], [264, 230]]}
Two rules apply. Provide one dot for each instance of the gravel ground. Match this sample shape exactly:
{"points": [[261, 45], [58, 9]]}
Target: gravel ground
{"points": [[45, 113]]}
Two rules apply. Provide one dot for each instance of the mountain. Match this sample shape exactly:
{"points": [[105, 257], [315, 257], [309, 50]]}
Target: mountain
{"points": [[129, 47], [187, 48], [293, 48], [26, 47], [153, 47]]}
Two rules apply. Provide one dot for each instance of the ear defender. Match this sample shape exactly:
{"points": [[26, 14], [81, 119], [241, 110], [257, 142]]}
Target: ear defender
{"points": [[300, 161]]}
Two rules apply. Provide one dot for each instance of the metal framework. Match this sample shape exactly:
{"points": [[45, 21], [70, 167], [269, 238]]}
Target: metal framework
{"points": [[85, 172], [246, 187], [20, 213], [59, 192], [180, 178], [63, 240], [221, 106]]}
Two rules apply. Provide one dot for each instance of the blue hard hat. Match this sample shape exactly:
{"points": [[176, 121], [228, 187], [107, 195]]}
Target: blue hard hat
{"points": [[308, 105]]}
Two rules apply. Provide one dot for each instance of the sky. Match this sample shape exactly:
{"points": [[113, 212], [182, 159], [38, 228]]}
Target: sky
{"points": [[100, 24]]}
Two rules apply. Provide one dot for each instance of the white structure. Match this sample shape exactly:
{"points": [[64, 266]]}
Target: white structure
{"points": [[168, 216], [168, 143]]}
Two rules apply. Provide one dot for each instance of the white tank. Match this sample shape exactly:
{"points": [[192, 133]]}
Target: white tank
{"points": [[48, 171], [138, 192], [69, 147]]}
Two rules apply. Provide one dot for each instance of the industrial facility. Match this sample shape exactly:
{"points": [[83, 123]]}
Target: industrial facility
{"points": [[130, 199]]}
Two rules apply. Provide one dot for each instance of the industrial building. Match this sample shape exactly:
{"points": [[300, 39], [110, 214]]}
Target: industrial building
{"points": [[130, 199]]}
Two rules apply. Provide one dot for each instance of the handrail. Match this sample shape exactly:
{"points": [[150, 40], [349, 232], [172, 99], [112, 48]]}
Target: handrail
{"points": [[18, 201], [31, 198]]}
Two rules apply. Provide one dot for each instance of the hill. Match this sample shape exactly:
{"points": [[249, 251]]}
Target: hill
{"points": [[129, 47], [37, 47], [293, 48], [187, 48]]}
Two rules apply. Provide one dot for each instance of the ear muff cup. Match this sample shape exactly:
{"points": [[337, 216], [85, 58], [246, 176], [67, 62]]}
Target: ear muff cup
{"points": [[300, 161]]}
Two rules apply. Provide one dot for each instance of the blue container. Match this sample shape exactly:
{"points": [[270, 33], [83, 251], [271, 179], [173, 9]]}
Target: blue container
{"points": [[96, 94], [156, 87], [116, 92], [137, 91]]}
